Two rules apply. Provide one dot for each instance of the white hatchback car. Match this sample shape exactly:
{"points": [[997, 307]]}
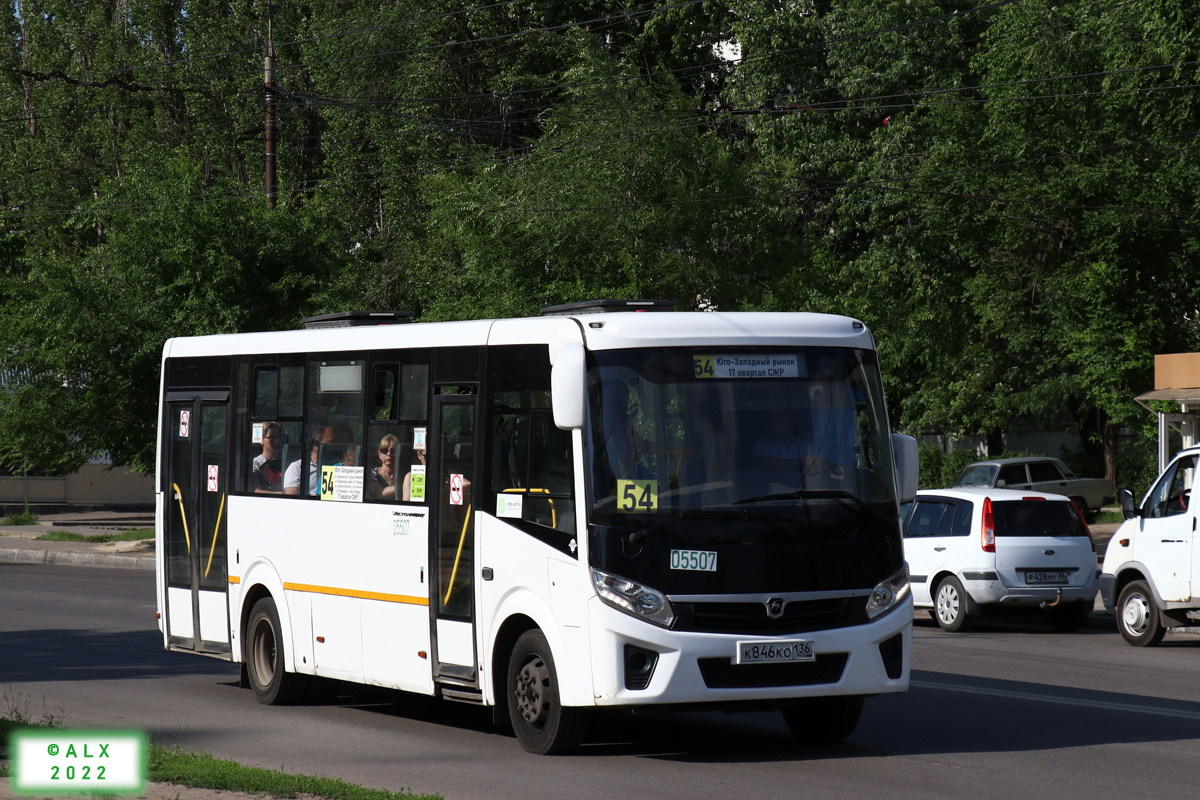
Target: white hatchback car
{"points": [[971, 550]]}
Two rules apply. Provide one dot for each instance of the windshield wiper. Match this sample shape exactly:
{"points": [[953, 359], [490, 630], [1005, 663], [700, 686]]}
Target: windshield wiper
{"points": [[819, 494]]}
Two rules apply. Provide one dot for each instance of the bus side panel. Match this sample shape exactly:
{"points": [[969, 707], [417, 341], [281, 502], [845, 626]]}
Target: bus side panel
{"points": [[356, 577], [521, 567]]}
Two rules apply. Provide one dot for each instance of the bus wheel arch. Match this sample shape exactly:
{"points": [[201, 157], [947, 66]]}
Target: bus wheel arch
{"points": [[542, 724], [265, 657]]}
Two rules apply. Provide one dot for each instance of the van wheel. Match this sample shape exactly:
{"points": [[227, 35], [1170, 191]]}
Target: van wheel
{"points": [[824, 720], [1069, 617], [272, 684], [1137, 616], [542, 724], [950, 606]]}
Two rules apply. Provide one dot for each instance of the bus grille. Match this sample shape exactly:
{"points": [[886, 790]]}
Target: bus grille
{"points": [[722, 673], [799, 616]]}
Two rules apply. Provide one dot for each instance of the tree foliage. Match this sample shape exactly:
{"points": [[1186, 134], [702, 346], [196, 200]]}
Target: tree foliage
{"points": [[1004, 192]]}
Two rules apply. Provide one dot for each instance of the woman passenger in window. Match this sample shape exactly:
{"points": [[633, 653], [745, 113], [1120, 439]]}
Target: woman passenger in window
{"points": [[268, 466], [383, 477]]}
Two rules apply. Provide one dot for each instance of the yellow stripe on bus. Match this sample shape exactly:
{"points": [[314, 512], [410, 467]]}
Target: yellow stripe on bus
{"points": [[234, 579], [333, 590]]}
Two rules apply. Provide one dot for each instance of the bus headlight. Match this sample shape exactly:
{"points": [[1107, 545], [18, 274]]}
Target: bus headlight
{"points": [[888, 593], [633, 598]]}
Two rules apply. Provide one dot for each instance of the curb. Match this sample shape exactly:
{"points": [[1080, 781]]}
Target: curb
{"points": [[76, 559]]}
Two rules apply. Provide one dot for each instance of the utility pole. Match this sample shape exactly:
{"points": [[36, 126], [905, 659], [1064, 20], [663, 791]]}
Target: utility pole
{"points": [[269, 94]]}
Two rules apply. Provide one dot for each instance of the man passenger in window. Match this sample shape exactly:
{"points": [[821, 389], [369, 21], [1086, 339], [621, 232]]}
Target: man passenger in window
{"points": [[268, 467], [291, 479]]}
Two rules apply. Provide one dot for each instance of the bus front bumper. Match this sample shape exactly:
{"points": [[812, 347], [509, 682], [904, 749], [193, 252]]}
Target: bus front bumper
{"points": [[687, 667]]}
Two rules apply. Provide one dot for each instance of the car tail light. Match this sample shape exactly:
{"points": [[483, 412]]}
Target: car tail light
{"points": [[988, 529], [1083, 522]]}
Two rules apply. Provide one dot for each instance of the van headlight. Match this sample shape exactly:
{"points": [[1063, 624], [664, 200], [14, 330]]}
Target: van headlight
{"points": [[888, 593], [633, 598]]}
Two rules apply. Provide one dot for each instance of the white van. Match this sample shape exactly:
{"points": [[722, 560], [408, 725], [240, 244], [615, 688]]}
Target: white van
{"points": [[1151, 563], [974, 549]]}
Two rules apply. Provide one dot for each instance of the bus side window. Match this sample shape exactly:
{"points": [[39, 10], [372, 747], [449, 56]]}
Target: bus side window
{"points": [[398, 420], [274, 435], [530, 459], [334, 422]]}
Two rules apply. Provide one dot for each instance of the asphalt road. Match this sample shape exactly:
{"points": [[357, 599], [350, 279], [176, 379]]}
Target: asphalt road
{"points": [[1010, 711]]}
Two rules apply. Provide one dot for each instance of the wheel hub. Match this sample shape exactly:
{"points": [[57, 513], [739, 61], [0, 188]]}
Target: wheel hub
{"points": [[528, 692], [1136, 615], [947, 605]]}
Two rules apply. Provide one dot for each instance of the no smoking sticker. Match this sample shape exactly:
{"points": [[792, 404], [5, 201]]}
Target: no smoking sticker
{"points": [[212, 478], [185, 422], [456, 489]]}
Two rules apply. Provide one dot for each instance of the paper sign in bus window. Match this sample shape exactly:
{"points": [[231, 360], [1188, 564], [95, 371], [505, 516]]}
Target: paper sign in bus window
{"points": [[256, 431], [416, 482], [510, 506], [418, 438]]}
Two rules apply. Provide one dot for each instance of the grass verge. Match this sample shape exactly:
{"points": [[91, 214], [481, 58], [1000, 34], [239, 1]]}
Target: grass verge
{"points": [[203, 771], [123, 536], [1108, 517]]}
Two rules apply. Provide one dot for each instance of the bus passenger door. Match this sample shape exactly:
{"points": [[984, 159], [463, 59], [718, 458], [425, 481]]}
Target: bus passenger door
{"points": [[453, 546], [195, 537]]}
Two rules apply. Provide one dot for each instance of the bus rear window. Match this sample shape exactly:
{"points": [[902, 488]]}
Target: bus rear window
{"points": [[1036, 518]]}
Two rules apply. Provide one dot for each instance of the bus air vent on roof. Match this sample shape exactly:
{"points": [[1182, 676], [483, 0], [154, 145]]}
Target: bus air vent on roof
{"points": [[352, 319], [607, 307]]}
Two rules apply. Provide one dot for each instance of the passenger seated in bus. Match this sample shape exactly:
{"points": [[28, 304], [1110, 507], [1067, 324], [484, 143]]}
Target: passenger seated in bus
{"points": [[342, 445], [383, 477], [406, 485], [268, 466], [291, 478]]}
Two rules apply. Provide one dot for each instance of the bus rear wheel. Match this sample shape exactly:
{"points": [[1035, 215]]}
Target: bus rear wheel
{"points": [[824, 720], [539, 719], [272, 684]]}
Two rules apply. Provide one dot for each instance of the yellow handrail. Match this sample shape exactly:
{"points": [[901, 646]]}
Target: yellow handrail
{"points": [[187, 538], [457, 556], [216, 532]]}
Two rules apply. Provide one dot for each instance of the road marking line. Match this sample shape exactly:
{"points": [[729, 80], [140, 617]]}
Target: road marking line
{"points": [[1066, 701]]}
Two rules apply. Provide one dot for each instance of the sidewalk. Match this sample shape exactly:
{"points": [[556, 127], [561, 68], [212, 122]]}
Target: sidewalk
{"points": [[18, 542]]}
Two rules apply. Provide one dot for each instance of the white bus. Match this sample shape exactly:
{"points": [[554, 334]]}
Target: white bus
{"points": [[610, 505]]}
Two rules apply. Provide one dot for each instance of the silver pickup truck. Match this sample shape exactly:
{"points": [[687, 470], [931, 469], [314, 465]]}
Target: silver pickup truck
{"points": [[1042, 474]]}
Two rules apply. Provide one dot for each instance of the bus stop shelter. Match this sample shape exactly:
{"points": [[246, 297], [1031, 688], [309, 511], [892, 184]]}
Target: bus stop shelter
{"points": [[1176, 378]]}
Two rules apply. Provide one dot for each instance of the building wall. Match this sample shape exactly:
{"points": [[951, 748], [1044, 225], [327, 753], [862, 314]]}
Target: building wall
{"points": [[93, 484]]}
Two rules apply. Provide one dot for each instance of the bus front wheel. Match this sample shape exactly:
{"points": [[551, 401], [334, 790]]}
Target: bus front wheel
{"points": [[539, 719], [271, 683], [824, 720]]}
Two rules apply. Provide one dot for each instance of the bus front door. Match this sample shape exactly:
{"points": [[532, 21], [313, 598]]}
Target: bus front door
{"points": [[453, 546], [197, 476]]}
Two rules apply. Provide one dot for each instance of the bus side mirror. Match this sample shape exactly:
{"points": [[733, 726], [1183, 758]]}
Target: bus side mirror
{"points": [[1128, 509], [568, 385], [905, 453]]}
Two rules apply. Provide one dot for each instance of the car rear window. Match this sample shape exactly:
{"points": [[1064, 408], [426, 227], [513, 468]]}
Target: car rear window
{"points": [[1036, 518]]}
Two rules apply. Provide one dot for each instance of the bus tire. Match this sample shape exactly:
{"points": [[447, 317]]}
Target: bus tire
{"points": [[539, 719], [272, 684], [824, 720]]}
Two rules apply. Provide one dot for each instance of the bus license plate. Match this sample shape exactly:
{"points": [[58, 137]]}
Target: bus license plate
{"points": [[1046, 578], [775, 651]]}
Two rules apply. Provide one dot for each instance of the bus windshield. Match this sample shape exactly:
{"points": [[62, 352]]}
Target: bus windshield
{"points": [[747, 430]]}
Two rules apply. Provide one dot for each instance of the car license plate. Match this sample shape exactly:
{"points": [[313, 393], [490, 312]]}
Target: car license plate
{"points": [[772, 652], [1040, 577]]}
